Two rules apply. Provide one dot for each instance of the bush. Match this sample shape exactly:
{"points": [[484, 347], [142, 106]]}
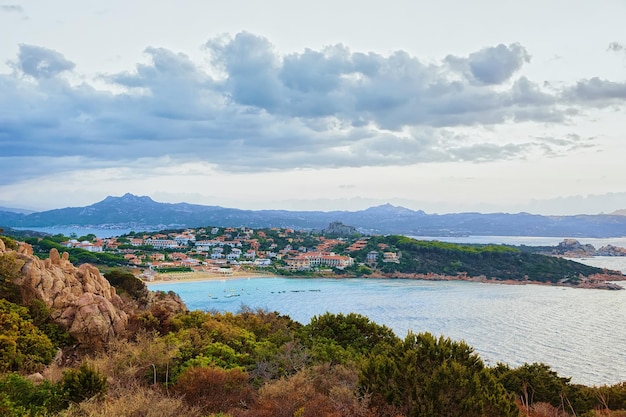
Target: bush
{"points": [[322, 390], [214, 389], [10, 269], [8, 242], [426, 376], [133, 402], [19, 397], [83, 383], [126, 282], [339, 338], [23, 347]]}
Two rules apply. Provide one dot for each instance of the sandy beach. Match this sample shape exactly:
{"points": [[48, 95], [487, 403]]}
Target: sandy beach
{"points": [[598, 281], [177, 277]]}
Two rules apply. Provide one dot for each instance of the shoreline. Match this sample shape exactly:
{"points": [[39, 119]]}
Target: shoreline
{"points": [[178, 277], [595, 282]]}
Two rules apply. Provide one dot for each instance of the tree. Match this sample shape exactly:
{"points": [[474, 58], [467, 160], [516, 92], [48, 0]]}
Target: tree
{"points": [[426, 376], [353, 333], [537, 383]]}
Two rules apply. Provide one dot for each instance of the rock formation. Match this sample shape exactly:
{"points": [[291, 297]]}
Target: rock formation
{"points": [[338, 229], [80, 299], [572, 248], [610, 250]]}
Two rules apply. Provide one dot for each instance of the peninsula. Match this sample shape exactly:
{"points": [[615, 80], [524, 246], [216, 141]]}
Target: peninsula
{"points": [[337, 251]]}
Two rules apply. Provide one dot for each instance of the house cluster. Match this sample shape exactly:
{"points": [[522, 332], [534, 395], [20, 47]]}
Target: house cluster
{"points": [[309, 260], [214, 249], [96, 246]]}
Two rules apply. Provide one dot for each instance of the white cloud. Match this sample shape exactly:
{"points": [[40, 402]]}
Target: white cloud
{"points": [[397, 92], [327, 108]]}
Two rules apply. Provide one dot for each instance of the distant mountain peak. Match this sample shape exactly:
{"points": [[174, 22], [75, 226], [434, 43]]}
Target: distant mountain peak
{"points": [[621, 212], [129, 198], [391, 209]]}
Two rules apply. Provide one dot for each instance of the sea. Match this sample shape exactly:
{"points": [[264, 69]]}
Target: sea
{"points": [[579, 333]]}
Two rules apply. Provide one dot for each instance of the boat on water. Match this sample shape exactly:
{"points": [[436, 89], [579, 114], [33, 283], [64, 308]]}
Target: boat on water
{"points": [[231, 295]]}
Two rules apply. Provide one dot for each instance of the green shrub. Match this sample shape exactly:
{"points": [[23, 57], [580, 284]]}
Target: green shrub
{"points": [[428, 376], [9, 243], [23, 347], [126, 282], [83, 383], [19, 397]]}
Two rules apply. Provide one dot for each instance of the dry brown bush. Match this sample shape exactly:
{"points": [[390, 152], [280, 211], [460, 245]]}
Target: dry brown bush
{"points": [[128, 363], [544, 410], [321, 391], [137, 401], [609, 413], [215, 389]]}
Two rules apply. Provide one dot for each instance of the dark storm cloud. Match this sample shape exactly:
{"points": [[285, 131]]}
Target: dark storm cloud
{"points": [[41, 62], [252, 109]]}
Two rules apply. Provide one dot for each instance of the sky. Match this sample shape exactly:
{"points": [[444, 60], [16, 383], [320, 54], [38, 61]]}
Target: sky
{"points": [[447, 106]]}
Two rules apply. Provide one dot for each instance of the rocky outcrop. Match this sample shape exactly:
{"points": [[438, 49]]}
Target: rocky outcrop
{"points": [[167, 301], [610, 250], [338, 229], [572, 248], [80, 299]]}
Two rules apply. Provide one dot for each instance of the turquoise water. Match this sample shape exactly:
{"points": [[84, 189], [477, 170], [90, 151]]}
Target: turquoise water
{"points": [[578, 332]]}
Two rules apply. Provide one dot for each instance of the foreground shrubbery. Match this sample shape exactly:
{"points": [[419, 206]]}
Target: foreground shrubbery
{"points": [[258, 363]]}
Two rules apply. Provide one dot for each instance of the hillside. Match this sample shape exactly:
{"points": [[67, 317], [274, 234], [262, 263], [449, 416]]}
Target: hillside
{"points": [[493, 262], [296, 252], [143, 213], [78, 343]]}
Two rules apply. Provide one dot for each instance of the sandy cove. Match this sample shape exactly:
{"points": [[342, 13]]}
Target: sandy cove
{"points": [[178, 277], [598, 281]]}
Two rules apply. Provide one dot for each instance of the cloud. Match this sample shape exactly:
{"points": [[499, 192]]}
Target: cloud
{"points": [[599, 91], [11, 8], [251, 109], [616, 47], [40, 62], [569, 142], [490, 66]]}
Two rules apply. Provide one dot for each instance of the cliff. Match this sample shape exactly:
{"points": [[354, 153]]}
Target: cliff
{"points": [[80, 299]]}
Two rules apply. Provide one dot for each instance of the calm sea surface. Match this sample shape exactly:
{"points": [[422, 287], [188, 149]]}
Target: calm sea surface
{"points": [[580, 333]]}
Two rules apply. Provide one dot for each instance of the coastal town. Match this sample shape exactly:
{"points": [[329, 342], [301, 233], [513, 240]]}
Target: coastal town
{"points": [[228, 250], [339, 251]]}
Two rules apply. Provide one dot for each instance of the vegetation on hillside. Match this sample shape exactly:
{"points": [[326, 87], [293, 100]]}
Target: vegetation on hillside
{"points": [[42, 246], [257, 363], [409, 256], [492, 261]]}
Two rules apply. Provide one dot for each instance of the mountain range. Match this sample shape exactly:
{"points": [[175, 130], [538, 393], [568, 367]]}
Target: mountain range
{"points": [[143, 213]]}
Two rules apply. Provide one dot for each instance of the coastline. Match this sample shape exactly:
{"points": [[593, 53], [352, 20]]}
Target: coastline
{"points": [[600, 281], [178, 277]]}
